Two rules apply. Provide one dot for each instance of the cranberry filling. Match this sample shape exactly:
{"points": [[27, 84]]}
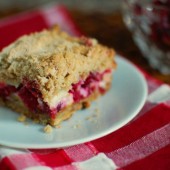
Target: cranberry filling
{"points": [[83, 89], [2, 85], [6, 91], [31, 96], [29, 92]]}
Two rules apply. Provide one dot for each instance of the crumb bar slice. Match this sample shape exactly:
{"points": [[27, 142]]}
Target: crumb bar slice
{"points": [[48, 75]]}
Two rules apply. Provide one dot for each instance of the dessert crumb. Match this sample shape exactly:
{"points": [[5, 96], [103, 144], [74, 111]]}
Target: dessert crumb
{"points": [[48, 129], [97, 111], [93, 118], [36, 121], [79, 121], [26, 123], [58, 126], [76, 126], [89, 118], [96, 115], [86, 105], [94, 121], [22, 118]]}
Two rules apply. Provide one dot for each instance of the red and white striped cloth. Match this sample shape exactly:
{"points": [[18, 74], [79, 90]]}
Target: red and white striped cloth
{"points": [[144, 143]]}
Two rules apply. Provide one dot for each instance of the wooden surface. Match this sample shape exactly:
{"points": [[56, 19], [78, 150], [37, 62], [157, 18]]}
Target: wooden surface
{"points": [[110, 30]]}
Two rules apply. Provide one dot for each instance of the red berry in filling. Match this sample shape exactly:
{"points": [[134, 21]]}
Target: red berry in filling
{"points": [[6, 90], [83, 89], [31, 96]]}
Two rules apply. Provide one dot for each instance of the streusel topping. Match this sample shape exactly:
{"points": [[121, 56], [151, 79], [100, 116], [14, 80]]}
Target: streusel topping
{"points": [[53, 59]]}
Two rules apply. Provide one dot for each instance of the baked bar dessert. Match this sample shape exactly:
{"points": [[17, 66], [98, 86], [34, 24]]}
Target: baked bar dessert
{"points": [[48, 75]]}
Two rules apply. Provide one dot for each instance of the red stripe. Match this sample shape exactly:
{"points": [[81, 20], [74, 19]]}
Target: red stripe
{"points": [[55, 159], [154, 119], [67, 167], [79, 153], [30, 22], [12, 31], [70, 21], [142, 147], [159, 160], [5, 164]]}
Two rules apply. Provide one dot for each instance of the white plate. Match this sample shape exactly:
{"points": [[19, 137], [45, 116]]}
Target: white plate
{"points": [[107, 114]]}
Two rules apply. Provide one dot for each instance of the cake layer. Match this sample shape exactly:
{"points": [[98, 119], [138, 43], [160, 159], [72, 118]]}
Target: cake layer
{"points": [[54, 60], [31, 97], [16, 104], [48, 75]]}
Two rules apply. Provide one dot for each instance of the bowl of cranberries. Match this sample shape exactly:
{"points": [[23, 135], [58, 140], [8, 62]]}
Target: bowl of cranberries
{"points": [[149, 22]]}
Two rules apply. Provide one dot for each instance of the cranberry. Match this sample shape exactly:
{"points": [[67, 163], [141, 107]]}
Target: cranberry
{"points": [[6, 90], [87, 86], [76, 91], [29, 99], [30, 95], [2, 85]]}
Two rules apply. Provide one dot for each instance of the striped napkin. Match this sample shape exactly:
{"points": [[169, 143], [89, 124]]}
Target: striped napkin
{"points": [[144, 143]]}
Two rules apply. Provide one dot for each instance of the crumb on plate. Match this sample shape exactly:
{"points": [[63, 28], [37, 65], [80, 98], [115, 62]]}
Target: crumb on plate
{"points": [[58, 126], [48, 129], [22, 118], [76, 126]]}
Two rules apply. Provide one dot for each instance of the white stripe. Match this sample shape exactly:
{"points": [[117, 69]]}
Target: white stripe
{"points": [[38, 168], [6, 151], [142, 148], [16, 18], [100, 161], [22, 161], [53, 17], [161, 94], [79, 152], [152, 85], [66, 167]]}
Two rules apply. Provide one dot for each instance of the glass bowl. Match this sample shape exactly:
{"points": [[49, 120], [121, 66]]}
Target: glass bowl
{"points": [[149, 22]]}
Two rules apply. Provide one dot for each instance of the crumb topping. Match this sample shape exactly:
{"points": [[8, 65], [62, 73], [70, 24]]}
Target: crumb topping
{"points": [[54, 59], [22, 118], [48, 129]]}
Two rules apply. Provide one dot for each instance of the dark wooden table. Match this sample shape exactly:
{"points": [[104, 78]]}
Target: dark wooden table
{"points": [[110, 30]]}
